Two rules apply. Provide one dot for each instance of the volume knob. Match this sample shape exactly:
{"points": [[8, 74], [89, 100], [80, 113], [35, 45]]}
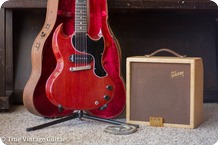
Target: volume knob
{"points": [[60, 108], [109, 87], [106, 97]]}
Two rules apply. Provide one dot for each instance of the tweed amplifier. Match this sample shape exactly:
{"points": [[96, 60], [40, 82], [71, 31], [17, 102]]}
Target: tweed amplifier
{"points": [[165, 91]]}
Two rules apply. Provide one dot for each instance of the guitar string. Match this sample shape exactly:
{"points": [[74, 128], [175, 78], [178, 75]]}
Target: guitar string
{"points": [[84, 31], [79, 15], [83, 48], [76, 34], [84, 34], [85, 25], [78, 27]]}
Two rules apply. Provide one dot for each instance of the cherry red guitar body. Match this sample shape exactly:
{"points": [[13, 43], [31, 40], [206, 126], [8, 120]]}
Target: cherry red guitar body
{"points": [[74, 84]]}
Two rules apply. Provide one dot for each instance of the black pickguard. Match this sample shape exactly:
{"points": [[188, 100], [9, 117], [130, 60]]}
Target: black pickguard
{"points": [[95, 48]]}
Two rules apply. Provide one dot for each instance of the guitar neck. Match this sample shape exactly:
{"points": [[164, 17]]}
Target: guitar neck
{"points": [[81, 16]]}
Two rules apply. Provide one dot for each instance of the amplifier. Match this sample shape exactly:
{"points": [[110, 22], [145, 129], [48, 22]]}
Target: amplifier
{"points": [[164, 91]]}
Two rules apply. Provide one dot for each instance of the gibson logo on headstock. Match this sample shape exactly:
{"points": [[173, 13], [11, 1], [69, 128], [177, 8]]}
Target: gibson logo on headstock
{"points": [[177, 74]]}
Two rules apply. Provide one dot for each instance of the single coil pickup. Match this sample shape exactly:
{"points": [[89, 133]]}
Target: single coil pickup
{"points": [[80, 68], [81, 58]]}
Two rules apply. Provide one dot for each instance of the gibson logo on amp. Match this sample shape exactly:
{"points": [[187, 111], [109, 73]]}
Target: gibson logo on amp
{"points": [[175, 74]]}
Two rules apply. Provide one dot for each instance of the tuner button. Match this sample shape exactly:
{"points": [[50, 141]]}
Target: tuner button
{"points": [[106, 97], [110, 88]]}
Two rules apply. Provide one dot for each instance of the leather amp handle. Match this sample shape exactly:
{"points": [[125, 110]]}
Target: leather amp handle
{"points": [[166, 50]]}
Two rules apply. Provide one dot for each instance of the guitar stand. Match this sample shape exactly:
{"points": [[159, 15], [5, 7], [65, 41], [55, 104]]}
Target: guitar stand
{"points": [[80, 114]]}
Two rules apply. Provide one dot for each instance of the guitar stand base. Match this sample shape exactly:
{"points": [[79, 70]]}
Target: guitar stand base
{"points": [[79, 115]]}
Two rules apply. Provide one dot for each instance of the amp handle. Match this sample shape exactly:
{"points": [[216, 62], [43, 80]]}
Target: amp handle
{"points": [[166, 50]]}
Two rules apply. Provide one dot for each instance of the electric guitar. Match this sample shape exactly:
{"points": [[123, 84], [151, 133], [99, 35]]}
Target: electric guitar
{"points": [[81, 80]]}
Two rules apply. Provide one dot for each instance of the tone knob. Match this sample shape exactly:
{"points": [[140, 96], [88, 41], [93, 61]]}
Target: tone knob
{"points": [[109, 87], [106, 97], [60, 108]]}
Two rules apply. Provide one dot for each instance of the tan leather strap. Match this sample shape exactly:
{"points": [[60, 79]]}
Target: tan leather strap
{"points": [[166, 50]]}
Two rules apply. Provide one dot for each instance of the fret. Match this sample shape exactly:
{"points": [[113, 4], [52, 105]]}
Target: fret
{"points": [[81, 18], [80, 6], [81, 15], [80, 22], [81, 31], [80, 27], [80, 10]]}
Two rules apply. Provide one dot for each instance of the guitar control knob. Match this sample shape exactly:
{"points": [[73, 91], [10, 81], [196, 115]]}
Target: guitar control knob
{"points": [[106, 97], [109, 87], [60, 108]]}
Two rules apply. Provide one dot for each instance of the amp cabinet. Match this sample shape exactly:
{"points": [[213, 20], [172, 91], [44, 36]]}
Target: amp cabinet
{"points": [[165, 91]]}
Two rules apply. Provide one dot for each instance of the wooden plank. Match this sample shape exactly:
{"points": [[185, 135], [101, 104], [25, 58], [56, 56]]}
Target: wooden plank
{"points": [[4, 100], [2, 52], [9, 51]]}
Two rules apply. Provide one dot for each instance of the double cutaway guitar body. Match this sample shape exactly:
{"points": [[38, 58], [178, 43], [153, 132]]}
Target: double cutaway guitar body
{"points": [[79, 81]]}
